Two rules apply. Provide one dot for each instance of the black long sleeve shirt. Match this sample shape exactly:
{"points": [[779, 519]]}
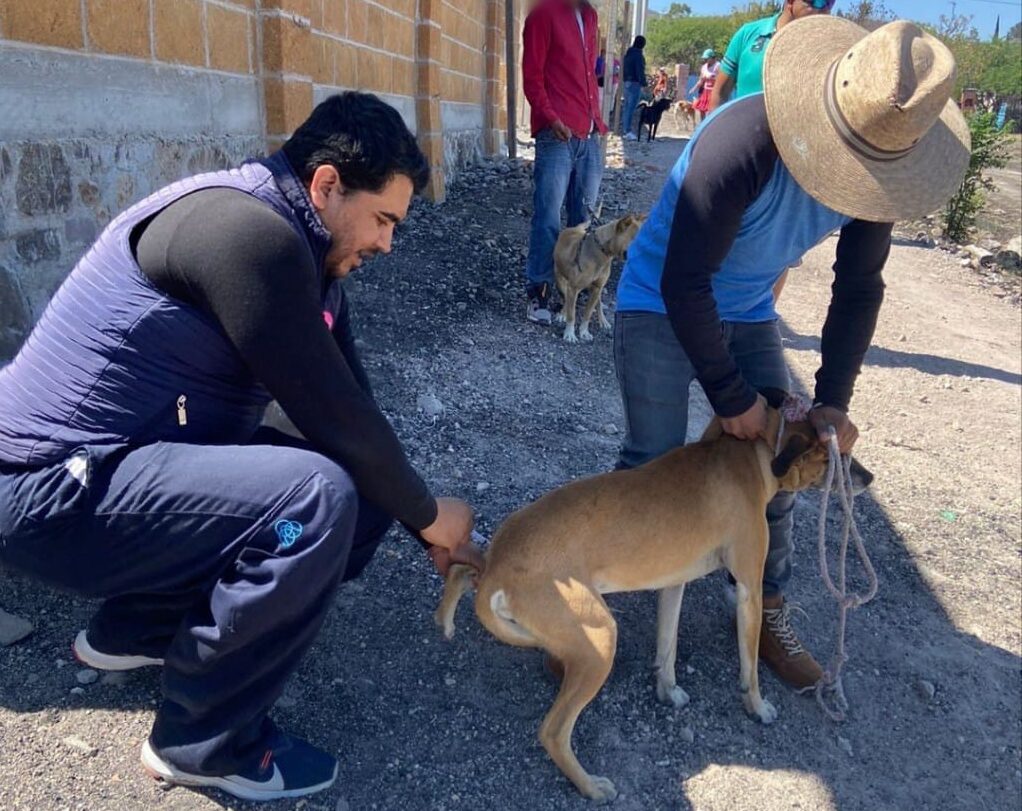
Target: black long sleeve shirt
{"points": [[266, 294], [733, 160]]}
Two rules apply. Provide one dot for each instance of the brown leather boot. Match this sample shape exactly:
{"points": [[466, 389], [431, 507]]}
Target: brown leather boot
{"points": [[780, 649]]}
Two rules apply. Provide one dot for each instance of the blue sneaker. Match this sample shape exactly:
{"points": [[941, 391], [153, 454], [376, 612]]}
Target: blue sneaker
{"points": [[293, 768]]}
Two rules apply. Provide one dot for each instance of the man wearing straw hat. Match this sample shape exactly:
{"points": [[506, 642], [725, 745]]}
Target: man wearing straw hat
{"points": [[854, 131]]}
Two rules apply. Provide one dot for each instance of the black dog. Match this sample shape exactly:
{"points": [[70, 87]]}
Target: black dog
{"points": [[650, 114]]}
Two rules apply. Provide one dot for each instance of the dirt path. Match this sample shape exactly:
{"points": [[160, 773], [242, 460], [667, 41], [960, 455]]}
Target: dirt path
{"points": [[424, 724]]}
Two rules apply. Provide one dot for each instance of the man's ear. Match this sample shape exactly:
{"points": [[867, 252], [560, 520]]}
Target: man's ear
{"points": [[325, 181], [795, 447], [775, 397]]}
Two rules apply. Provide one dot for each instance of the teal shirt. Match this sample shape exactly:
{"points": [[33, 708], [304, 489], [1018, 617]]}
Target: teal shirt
{"points": [[743, 60]]}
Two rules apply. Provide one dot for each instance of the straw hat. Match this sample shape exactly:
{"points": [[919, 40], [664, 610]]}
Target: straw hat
{"points": [[864, 121]]}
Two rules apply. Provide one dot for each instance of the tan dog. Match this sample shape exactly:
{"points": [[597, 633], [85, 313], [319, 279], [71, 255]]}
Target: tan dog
{"points": [[685, 111], [582, 262], [683, 515]]}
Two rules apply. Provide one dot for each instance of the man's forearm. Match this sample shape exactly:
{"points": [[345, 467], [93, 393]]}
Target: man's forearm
{"points": [[856, 296]]}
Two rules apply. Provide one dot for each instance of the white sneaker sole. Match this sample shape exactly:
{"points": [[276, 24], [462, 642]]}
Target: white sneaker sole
{"points": [[238, 787], [88, 655]]}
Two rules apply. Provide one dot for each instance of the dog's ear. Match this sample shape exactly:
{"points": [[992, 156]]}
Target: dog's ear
{"points": [[775, 397], [626, 222], [794, 448], [861, 478]]}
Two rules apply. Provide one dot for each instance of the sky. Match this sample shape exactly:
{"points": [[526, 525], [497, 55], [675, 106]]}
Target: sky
{"points": [[984, 12]]}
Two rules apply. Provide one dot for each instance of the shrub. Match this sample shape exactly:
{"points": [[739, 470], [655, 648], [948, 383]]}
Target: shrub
{"points": [[990, 150]]}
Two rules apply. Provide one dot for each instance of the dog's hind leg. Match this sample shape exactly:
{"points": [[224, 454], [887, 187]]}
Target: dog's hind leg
{"points": [[668, 615], [746, 566], [559, 317], [584, 640], [594, 304]]}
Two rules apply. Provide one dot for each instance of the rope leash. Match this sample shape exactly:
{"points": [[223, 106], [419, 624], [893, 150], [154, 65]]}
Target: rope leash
{"points": [[839, 475]]}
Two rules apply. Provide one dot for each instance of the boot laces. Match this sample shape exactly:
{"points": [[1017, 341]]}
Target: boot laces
{"points": [[778, 621]]}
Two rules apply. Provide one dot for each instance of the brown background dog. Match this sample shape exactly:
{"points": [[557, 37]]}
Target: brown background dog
{"points": [[582, 261]]}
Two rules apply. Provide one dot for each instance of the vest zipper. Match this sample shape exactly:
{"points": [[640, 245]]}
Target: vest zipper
{"points": [[182, 412]]}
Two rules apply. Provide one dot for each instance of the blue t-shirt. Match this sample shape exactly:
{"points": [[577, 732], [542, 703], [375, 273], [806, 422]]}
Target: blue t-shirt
{"points": [[776, 230]]}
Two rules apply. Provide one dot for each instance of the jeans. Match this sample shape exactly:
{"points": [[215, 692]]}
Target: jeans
{"points": [[565, 172], [633, 92], [654, 374], [221, 560]]}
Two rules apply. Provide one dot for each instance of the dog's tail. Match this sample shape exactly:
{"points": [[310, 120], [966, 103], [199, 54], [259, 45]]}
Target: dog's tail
{"points": [[459, 580], [492, 608]]}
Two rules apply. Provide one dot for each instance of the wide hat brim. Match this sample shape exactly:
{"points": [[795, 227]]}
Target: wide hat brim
{"points": [[795, 71]]}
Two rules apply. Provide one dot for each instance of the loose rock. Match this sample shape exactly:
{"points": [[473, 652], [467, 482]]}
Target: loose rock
{"points": [[86, 676], [13, 629], [926, 689], [430, 404], [87, 749]]}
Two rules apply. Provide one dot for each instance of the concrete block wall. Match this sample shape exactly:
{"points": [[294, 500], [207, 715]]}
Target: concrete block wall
{"points": [[107, 100]]}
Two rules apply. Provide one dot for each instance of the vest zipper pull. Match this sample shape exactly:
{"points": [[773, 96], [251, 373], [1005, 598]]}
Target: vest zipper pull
{"points": [[182, 413]]}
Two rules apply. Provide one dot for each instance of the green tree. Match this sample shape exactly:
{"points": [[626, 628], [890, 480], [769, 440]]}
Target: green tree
{"points": [[1015, 34], [994, 67], [957, 27], [683, 39], [867, 13], [678, 10], [990, 150]]}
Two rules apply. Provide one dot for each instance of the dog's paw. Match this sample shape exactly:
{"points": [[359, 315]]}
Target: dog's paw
{"points": [[760, 708], [604, 323], [569, 335], [585, 334], [600, 789], [560, 318], [672, 695]]}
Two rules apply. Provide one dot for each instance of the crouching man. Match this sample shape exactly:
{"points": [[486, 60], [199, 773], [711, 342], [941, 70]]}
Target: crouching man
{"points": [[133, 467], [765, 179]]}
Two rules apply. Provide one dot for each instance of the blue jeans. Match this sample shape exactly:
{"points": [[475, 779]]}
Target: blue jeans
{"points": [[633, 92], [655, 373], [565, 172]]}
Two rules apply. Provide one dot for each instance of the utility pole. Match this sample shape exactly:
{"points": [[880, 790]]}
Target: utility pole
{"points": [[511, 77]]}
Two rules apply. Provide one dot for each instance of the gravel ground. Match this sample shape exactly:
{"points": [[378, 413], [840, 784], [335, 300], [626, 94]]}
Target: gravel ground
{"points": [[934, 678]]}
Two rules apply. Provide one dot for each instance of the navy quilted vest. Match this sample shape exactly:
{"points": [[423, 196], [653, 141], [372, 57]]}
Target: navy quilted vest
{"points": [[114, 360]]}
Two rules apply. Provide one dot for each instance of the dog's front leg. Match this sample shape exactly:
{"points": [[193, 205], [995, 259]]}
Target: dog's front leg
{"points": [[668, 615], [746, 566], [570, 303]]}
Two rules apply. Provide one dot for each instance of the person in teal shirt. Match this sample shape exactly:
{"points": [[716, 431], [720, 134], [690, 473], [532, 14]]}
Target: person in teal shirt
{"points": [[741, 69]]}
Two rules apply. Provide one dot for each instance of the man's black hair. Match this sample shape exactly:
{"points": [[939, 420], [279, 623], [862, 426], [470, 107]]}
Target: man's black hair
{"points": [[363, 138], [640, 42]]}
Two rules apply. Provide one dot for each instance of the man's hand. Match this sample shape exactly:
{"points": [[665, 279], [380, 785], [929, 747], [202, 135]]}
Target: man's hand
{"points": [[823, 417], [750, 425], [560, 131], [451, 535]]}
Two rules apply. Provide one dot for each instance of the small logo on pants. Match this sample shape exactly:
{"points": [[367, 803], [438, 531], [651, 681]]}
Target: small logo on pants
{"points": [[288, 532]]}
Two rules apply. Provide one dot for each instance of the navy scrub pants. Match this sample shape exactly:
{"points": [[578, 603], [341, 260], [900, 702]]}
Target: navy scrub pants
{"points": [[222, 560]]}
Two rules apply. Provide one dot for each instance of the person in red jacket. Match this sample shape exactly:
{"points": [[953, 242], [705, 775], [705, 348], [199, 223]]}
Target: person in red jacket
{"points": [[560, 46]]}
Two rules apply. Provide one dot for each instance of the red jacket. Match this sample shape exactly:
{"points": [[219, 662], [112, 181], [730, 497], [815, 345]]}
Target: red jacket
{"points": [[558, 70]]}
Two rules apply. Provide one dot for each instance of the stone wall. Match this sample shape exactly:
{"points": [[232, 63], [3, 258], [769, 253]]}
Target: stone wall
{"points": [[104, 101]]}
